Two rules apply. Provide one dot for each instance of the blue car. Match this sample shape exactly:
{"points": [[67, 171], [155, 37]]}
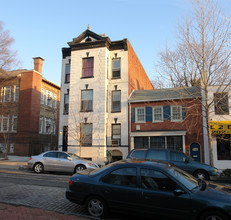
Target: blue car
{"points": [[179, 159], [157, 189]]}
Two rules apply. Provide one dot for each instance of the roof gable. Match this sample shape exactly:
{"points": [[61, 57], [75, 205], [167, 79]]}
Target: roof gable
{"points": [[86, 36]]}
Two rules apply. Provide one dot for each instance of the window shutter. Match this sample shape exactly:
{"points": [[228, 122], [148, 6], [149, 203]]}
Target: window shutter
{"points": [[183, 112], [133, 114], [167, 112], [148, 113]]}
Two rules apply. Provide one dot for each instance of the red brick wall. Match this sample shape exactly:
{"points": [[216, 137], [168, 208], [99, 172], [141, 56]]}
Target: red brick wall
{"points": [[137, 76], [192, 124]]}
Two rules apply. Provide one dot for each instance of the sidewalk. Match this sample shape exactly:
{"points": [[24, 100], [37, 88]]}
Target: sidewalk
{"points": [[14, 163], [13, 212]]}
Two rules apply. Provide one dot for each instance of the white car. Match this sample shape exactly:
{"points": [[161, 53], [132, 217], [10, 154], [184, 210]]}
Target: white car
{"points": [[59, 161]]}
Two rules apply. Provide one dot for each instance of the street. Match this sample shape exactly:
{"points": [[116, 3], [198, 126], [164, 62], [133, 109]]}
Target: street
{"points": [[45, 191]]}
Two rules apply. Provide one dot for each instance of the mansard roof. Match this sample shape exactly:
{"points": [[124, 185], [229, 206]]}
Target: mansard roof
{"points": [[89, 39], [165, 94]]}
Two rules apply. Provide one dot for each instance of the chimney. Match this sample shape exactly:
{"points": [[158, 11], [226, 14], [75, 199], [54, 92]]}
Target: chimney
{"points": [[38, 64]]}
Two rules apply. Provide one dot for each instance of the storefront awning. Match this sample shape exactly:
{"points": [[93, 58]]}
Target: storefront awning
{"points": [[220, 127]]}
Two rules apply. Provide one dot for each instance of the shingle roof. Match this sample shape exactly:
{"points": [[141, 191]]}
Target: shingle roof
{"points": [[165, 94]]}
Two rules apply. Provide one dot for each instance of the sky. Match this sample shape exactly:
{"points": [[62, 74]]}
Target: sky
{"points": [[42, 28]]}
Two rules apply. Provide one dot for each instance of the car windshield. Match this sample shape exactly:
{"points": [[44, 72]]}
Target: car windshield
{"points": [[187, 180], [74, 156]]}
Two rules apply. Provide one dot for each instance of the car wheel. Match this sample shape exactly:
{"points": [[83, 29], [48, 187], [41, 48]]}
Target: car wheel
{"points": [[213, 215], [79, 168], [96, 207], [38, 168], [201, 174]]}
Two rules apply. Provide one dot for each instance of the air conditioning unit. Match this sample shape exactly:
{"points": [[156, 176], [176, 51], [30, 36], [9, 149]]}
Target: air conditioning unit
{"points": [[115, 143]]}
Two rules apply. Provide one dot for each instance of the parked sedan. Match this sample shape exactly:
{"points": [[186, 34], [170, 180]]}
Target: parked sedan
{"points": [[59, 161], [149, 187]]}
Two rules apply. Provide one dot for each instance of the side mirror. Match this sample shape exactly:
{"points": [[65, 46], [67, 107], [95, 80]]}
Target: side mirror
{"points": [[69, 158], [179, 192]]}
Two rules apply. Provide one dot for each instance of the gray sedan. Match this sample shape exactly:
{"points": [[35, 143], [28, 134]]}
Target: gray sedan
{"points": [[59, 161]]}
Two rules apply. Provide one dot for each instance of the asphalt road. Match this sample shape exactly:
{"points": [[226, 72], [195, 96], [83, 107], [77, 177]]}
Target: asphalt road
{"points": [[46, 191]]}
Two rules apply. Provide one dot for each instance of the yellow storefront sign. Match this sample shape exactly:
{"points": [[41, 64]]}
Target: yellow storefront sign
{"points": [[220, 127]]}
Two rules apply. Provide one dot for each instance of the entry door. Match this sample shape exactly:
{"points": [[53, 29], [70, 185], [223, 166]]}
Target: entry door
{"points": [[195, 151]]}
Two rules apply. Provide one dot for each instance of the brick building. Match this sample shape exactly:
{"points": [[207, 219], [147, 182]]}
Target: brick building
{"points": [[28, 111], [167, 118], [98, 76]]}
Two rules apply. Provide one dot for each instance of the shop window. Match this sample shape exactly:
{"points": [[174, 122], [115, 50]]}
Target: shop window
{"points": [[141, 142], [223, 147]]}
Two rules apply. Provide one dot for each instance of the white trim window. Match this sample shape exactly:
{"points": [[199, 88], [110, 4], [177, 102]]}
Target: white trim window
{"points": [[176, 113], [157, 114], [5, 123], [14, 123], [41, 125], [16, 93], [55, 101], [6, 93], [42, 96], [140, 115], [48, 126], [49, 98]]}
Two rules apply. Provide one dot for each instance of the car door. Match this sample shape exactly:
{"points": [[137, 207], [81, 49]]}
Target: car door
{"points": [[119, 188], [158, 197], [180, 160], [50, 161], [64, 164]]}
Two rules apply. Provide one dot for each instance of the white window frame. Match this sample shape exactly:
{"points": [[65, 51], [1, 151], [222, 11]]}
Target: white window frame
{"points": [[7, 125], [153, 114], [16, 93], [42, 95], [136, 115], [12, 127], [49, 98], [4, 93], [176, 106], [41, 125]]}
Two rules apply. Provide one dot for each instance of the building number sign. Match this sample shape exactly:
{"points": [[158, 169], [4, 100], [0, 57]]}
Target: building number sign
{"points": [[220, 127]]}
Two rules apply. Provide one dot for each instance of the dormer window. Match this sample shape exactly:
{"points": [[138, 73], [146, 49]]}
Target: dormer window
{"points": [[88, 39]]}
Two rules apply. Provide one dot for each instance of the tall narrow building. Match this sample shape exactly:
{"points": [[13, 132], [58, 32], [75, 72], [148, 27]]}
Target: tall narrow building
{"points": [[98, 75]]}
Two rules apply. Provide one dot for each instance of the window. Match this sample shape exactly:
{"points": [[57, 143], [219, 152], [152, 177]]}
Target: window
{"points": [[175, 143], [141, 154], [49, 98], [158, 114], [123, 177], [42, 96], [6, 93], [155, 180], [221, 103], [67, 73], [48, 126], [157, 155], [66, 104], [16, 93], [177, 157], [14, 123], [86, 134], [62, 155], [41, 125], [157, 142], [140, 115], [116, 68], [116, 101], [116, 131], [223, 147], [176, 113], [88, 67], [54, 127], [55, 101], [141, 142], [5, 124], [51, 154], [86, 100]]}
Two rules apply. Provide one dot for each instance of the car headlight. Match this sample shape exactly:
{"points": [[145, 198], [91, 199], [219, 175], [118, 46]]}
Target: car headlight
{"points": [[93, 165], [215, 170]]}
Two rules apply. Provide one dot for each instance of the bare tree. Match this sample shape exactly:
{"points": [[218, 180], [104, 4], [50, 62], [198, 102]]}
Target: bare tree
{"points": [[202, 55]]}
